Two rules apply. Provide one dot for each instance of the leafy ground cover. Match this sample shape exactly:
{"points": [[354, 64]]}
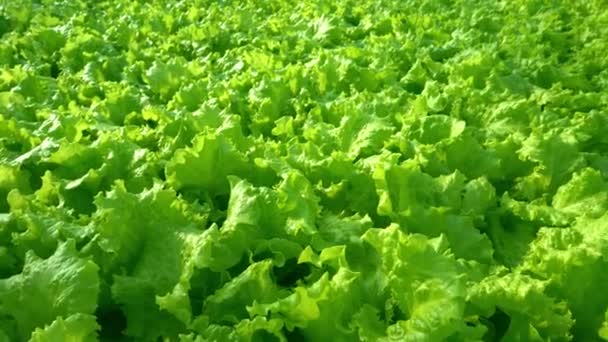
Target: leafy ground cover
{"points": [[303, 171]]}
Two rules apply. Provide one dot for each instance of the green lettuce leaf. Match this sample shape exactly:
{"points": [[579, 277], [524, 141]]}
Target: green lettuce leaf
{"points": [[61, 285], [570, 260], [77, 328], [425, 281]]}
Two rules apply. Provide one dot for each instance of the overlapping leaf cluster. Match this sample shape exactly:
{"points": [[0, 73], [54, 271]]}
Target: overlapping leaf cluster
{"points": [[303, 171]]}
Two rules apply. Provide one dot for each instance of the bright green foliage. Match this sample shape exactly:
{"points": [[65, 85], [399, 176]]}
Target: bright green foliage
{"points": [[61, 285], [77, 327], [374, 170]]}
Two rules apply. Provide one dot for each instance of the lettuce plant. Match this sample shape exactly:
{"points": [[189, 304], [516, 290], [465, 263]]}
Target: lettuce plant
{"points": [[374, 170]]}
